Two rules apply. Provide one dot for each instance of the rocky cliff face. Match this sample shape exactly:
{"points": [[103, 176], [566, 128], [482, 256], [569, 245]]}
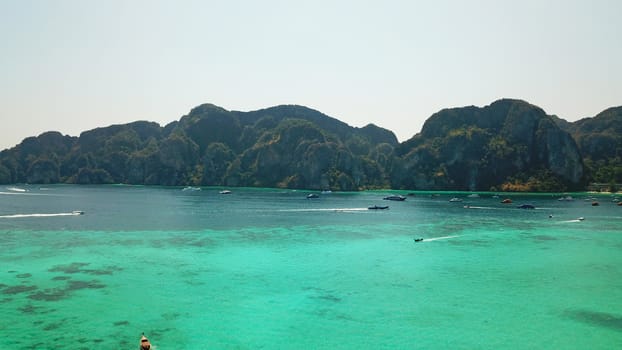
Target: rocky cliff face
{"points": [[600, 142], [508, 145], [474, 148]]}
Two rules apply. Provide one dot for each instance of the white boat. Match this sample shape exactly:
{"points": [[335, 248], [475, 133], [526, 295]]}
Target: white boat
{"points": [[191, 188], [455, 199], [225, 192]]}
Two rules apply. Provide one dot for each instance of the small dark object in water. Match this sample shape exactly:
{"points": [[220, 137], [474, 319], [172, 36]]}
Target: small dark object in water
{"points": [[312, 195], [418, 239], [144, 343], [595, 204], [526, 206], [395, 198], [378, 207], [506, 201]]}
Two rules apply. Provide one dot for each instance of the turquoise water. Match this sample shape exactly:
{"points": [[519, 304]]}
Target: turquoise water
{"points": [[270, 269]]}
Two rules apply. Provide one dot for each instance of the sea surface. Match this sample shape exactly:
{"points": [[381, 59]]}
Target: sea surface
{"points": [[271, 269]]}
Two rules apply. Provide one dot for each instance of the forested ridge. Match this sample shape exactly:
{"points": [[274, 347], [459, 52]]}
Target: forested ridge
{"points": [[509, 145]]}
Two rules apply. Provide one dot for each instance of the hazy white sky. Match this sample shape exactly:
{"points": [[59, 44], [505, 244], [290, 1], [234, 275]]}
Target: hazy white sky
{"points": [[75, 65]]}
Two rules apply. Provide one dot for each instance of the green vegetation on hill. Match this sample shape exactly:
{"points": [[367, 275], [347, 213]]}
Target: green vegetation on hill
{"points": [[284, 146], [600, 142], [509, 145]]}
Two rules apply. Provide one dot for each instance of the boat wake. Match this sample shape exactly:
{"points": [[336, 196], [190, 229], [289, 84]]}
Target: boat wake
{"points": [[440, 238], [573, 220], [24, 193], [476, 207], [17, 216], [325, 209]]}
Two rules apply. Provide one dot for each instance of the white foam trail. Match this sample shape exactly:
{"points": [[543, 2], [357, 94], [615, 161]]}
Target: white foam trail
{"points": [[475, 207], [439, 238], [25, 194], [575, 220], [15, 216], [324, 209], [16, 189]]}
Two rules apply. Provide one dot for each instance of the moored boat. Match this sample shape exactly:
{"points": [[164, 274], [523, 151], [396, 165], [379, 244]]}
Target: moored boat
{"points": [[378, 207], [395, 198]]}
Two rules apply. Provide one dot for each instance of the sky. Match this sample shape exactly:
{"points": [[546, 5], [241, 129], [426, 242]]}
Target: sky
{"points": [[74, 65]]}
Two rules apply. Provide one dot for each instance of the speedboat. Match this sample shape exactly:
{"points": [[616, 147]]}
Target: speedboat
{"points": [[506, 201], [394, 198], [378, 207], [191, 188], [225, 192], [77, 212], [312, 195], [418, 239]]}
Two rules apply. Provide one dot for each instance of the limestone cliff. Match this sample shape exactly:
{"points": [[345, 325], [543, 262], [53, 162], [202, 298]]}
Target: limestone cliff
{"points": [[470, 148]]}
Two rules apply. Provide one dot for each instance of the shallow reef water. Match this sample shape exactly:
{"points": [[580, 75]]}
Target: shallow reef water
{"points": [[271, 269]]}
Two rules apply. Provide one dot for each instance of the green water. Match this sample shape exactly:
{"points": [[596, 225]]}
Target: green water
{"points": [[270, 269]]}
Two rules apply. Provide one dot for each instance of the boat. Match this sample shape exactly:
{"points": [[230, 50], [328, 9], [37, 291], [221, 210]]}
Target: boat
{"points": [[620, 204], [144, 343], [394, 198], [565, 199], [77, 212], [581, 218], [191, 188], [312, 195], [526, 206], [506, 201], [595, 204], [455, 200], [225, 192], [418, 239], [378, 207]]}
